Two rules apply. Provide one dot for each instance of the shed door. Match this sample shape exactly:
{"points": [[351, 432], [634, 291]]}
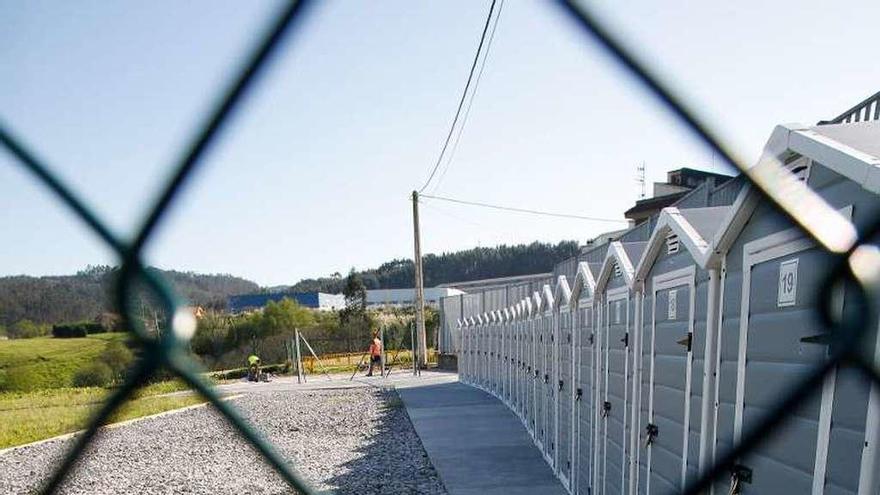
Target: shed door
{"points": [[506, 338], [585, 404], [616, 387], [669, 384], [777, 350], [540, 386], [550, 365], [530, 376], [565, 394]]}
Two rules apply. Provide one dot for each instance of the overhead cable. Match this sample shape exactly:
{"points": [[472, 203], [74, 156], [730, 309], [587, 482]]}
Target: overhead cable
{"points": [[522, 210], [463, 96], [467, 110]]}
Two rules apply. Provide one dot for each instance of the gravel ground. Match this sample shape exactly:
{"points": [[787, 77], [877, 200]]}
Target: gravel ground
{"points": [[356, 441]]}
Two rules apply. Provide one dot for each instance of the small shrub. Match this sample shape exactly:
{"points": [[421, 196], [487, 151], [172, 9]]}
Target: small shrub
{"points": [[118, 358], [26, 329], [67, 331], [97, 374], [76, 330]]}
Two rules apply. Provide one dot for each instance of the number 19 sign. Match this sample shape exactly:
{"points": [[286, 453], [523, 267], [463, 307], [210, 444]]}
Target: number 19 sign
{"points": [[787, 295]]}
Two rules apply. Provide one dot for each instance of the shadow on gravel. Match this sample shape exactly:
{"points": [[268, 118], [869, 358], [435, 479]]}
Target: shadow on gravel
{"points": [[391, 459]]}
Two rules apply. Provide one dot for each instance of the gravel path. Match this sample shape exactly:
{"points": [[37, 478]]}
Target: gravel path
{"points": [[356, 441]]}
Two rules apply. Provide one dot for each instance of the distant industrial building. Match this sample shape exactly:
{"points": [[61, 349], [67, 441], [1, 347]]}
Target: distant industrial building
{"points": [[679, 183], [407, 297], [315, 300]]}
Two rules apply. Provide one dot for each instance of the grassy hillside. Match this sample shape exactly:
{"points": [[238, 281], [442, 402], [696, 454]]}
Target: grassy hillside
{"points": [[89, 294], [46, 362]]}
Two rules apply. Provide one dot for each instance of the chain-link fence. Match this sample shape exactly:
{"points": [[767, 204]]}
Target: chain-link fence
{"points": [[856, 261]]}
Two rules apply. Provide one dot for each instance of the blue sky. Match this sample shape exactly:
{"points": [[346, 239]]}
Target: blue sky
{"points": [[313, 175]]}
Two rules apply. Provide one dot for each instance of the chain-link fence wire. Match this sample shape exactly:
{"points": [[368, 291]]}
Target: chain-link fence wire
{"points": [[856, 260]]}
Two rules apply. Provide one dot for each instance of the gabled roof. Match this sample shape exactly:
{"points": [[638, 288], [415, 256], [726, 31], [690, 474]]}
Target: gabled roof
{"points": [[459, 322], [537, 303], [620, 255], [547, 301], [471, 321], [851, 150], [584, 283], [562, 294], [526, 307], [695, 228]]}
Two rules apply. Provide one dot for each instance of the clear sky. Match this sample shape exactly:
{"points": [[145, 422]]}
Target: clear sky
{"points": [[313, 175]]}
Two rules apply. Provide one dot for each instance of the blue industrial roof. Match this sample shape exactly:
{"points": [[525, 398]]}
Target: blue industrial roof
{"points": [[244, 302]]}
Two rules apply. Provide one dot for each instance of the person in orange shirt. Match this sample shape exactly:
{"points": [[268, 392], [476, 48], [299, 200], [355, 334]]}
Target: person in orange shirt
{"points": [[375, 354]]}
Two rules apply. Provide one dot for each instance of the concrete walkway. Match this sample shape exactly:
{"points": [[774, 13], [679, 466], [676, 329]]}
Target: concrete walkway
{"points": [[477, 444]]}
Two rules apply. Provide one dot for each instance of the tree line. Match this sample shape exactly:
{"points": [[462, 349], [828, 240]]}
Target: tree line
{"points": [[461, 266], [30, 304]]}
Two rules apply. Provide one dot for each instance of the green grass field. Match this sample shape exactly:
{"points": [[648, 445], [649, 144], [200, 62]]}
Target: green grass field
{"points": [[46, 362], [30, 416], [39, 401]]}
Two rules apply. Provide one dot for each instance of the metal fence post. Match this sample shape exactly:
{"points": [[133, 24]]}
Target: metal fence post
{"points": [[299, 362]]}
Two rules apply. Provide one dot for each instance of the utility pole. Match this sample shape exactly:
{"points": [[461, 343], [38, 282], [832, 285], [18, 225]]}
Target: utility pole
{"points": [[419, 285]]}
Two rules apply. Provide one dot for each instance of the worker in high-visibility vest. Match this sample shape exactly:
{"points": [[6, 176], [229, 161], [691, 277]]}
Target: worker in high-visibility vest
{"points": [[253, 368], [375, 354]]}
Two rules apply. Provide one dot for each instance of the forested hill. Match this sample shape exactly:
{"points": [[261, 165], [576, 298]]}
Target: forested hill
{"points": [[88, 294], [460, 266]]}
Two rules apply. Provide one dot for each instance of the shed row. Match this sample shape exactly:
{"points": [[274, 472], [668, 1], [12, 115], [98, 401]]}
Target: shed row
{"points": [[672, 342]]}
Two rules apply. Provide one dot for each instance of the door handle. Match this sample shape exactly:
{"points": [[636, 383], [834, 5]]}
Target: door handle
{"points": [[651, 432], [606, 409], [823, 338], [687, 341]]}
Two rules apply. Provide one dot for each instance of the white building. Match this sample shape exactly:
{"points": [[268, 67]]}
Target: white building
{"points": [[407, 297]]}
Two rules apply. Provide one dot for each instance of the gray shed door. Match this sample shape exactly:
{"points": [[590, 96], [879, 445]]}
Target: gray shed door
{"points": [[565, 391], [540, 389], [550, 439], [669, 388], [585, 406], [616, 401], [776, 357], [530, 370]]}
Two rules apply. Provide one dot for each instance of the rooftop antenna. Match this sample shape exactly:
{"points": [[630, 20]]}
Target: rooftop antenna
{"points": [[640, 178]]}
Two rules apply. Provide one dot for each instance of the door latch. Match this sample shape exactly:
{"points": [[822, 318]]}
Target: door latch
{"points": [[606, 409], [625, 339], [651, 432], [687, 341], [546, 378], [820, 339], [578, 393], [560, 385]]}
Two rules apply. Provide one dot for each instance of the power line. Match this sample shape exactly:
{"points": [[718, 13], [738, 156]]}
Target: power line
{"points": [[467, 110], [522, 210], [463, 96]]}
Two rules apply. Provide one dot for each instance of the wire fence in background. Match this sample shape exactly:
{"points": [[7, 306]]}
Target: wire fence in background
{"points": [[856, 261]]}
